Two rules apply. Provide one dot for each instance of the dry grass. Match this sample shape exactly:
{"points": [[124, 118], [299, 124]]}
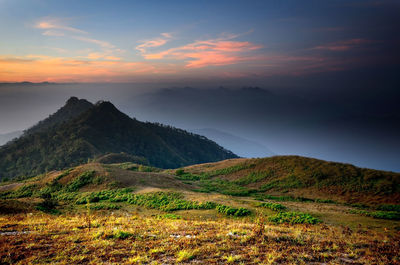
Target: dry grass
{"points": [[128, 238]]}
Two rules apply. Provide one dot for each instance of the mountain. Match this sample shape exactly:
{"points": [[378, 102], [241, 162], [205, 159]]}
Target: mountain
{"points": [[6, 137], [63, 140], [72, 109], [240, 146]]}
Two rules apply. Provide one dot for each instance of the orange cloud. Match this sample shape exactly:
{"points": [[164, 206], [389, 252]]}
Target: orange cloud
{"points": [[55, 24], [37, 68], [154, 43], [209, 52]]}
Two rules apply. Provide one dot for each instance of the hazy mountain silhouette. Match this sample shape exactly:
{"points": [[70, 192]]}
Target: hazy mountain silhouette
{"points": [[239, 145], [72, 109], [63, 141], [6, 137]]}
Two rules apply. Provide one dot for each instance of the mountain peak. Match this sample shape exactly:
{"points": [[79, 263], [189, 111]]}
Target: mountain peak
{"points": [[72, 109], [72, 100]]}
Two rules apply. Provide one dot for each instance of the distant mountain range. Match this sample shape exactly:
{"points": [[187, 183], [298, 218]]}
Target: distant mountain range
{"points": [[81, 131], [6, 137], [239, 145]]}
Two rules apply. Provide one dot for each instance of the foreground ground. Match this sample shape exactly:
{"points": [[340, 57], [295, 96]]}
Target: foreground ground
{"points": [[128, 214], [136, 235]]}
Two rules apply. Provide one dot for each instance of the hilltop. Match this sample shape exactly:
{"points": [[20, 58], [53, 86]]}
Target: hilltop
{"points": [[296, 176], [81, 131]]}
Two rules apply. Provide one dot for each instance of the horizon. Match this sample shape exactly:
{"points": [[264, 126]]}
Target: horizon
{"points": [[327, 72]]}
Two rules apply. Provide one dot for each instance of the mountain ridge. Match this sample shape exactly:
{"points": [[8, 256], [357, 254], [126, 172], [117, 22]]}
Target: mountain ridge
{"points": [[71, 137]]}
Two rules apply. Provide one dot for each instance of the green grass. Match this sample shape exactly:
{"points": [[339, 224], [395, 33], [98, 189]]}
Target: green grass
{"points": [[182, 175], [82, 180], [254, 177], [378, 214], [224, 187], [273, 206], [285, 198], [293, 218], [389, 207], [229, 170], [169, 216], [22, 192]]}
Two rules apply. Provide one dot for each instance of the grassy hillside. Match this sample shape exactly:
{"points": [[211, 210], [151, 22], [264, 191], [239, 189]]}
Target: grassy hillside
{"points": [[297, 176], [129, 213]]}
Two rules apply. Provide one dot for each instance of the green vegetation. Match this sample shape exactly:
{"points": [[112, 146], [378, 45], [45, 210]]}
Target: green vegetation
{"points": [[167, 201], [389, 207], [182, 175], [227, 210], [81, 181], [169, 216], [48, 204], [293, 218], [122, 157], [223, 186], [185, 255], [22, 192], [119, 234], [286, 173], [273, 206], [254, 177], [379, 214], [229, 170], [288, 198]]}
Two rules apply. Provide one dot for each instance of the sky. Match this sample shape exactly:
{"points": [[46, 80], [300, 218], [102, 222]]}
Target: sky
{"points": [[147, 41], [313, 78]]}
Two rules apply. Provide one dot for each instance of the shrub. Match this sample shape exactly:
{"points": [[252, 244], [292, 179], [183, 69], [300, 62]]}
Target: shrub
{"points": [[105, 207], [379, 214], [389, 207], [227, 210], [23, 192], [273, 206], [294, 218], [48, 204], [119, 234], [167, 201], [81, 181]]}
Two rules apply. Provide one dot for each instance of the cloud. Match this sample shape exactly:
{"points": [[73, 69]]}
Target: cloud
{"points": [[55, 27], [154, 42], [38, 68], [344, 45], [56, 24], [53, 33], [103, 44], [220, 51], [106, 56]]}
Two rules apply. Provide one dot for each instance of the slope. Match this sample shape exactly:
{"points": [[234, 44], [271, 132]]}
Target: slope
{"points": [[298, 176]]}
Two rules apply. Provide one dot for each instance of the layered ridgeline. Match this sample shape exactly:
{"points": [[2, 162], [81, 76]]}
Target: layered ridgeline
{"points": [[81, 131]]}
